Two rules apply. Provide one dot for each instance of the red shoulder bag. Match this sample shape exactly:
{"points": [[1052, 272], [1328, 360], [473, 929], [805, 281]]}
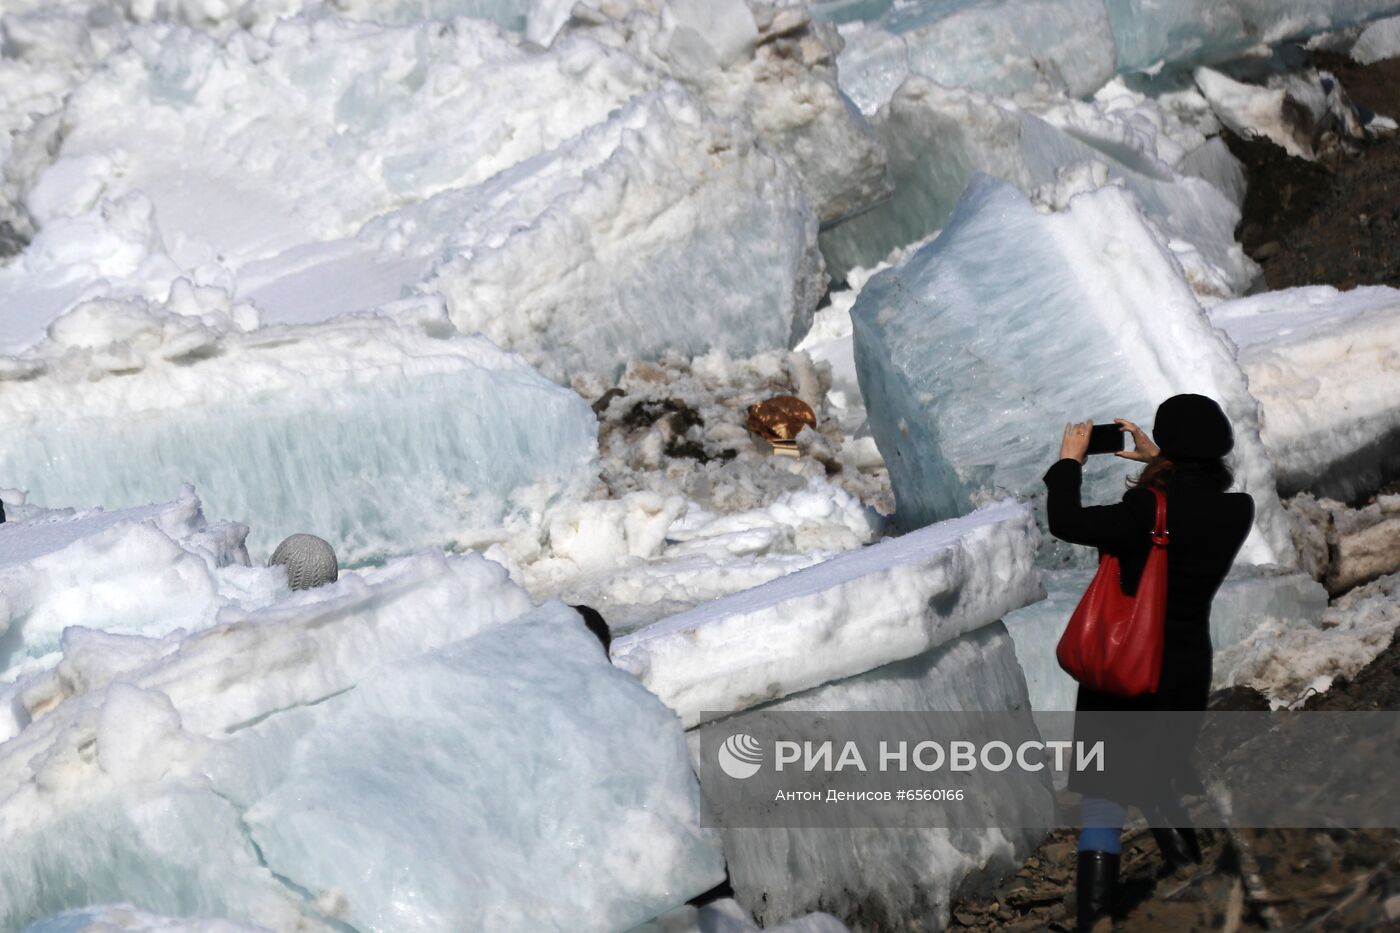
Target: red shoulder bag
{"points": [[1114, 642]]}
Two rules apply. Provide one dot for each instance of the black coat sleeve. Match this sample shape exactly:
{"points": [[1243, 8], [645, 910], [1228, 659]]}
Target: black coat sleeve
{"points": [[1117, 528]]}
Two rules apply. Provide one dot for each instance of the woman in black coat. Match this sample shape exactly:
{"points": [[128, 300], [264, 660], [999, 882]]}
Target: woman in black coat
{"points": [[1206, 527]]}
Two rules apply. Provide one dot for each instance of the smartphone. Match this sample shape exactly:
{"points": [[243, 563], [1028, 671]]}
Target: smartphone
{"points": [[1107, 439]]}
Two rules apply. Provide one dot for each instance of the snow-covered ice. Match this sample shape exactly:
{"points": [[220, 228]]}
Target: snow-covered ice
{"points": [[346, 163], [379, 433], [147, 571], [937, 138], [1249, 600], [1378, 41], [1038, 46], [855, 612], [409, 748], [1012, 322], [1325, 369], [898, 878], [1149, 33]]}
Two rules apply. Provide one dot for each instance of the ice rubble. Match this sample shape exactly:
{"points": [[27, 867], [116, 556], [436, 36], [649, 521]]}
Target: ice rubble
{"points": [[1324, 367], [937, 138], [1288, 663], [149, 571], [1249, 600], [694, 507], [1346, 547], [280, 744], [1378, 41], [344, 163], [1306, 113], [966, 354], [126, 400], [855, 612], [897, 878]]}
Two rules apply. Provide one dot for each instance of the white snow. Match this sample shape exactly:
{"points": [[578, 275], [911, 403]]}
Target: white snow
{"points": [[1325, 367], [390, 751], [975, 350], [148, 571], [379, 433], [850, 614], [1248, 601], [938, 138], [1378, 41], [898, 878]]}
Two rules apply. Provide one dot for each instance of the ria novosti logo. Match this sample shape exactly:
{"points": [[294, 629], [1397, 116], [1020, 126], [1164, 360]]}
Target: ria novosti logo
{"points": [[740, 756]]}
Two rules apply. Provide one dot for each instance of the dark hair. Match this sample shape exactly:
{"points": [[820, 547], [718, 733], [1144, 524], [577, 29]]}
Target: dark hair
{"points": [[1160, 471]]}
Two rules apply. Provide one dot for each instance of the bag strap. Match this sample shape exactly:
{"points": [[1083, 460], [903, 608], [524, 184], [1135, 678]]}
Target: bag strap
{"points": [[1160, 535]]}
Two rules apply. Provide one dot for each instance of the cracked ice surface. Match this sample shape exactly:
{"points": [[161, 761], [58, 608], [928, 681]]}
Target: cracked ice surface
{"points": [[1011, 319], [857, 611], [278, 744]]}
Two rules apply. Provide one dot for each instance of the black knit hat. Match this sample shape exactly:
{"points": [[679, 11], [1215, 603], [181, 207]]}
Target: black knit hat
{"points": [[1192, 427]]}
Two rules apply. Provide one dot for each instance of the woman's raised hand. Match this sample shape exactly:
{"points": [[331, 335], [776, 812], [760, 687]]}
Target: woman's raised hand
{"points": [[1143, 448], [1075, 443]]}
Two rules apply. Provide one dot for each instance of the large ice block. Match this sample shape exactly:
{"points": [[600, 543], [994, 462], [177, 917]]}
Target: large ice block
{"points": [[380, 434], [1041, 46], [898, 879], [974, 352], [412, 748], [1150, 32], [1322, 365], [847, 615], [937, 138], [1247, 601]]}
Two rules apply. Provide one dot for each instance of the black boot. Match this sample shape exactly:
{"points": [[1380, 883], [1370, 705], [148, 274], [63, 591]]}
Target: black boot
{"points": [[1098, 883], [1179, 847]]}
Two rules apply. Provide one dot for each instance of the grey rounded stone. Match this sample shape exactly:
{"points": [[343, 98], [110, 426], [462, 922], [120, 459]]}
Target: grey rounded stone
{"points": [[310, 561]]}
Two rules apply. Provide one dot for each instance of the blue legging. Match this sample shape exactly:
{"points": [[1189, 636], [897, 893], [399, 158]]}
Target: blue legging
{"points": [[1103, 826]]}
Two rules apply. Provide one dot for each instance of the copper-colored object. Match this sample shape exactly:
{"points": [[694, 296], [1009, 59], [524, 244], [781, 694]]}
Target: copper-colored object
{"points": [[781, 418]]}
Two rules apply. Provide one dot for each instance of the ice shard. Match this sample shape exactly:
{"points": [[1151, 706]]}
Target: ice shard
{"points": [[975, 351]]}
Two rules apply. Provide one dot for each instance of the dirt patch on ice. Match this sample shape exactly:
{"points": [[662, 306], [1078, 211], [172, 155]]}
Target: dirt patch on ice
{"points": [[1328, 223]]}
